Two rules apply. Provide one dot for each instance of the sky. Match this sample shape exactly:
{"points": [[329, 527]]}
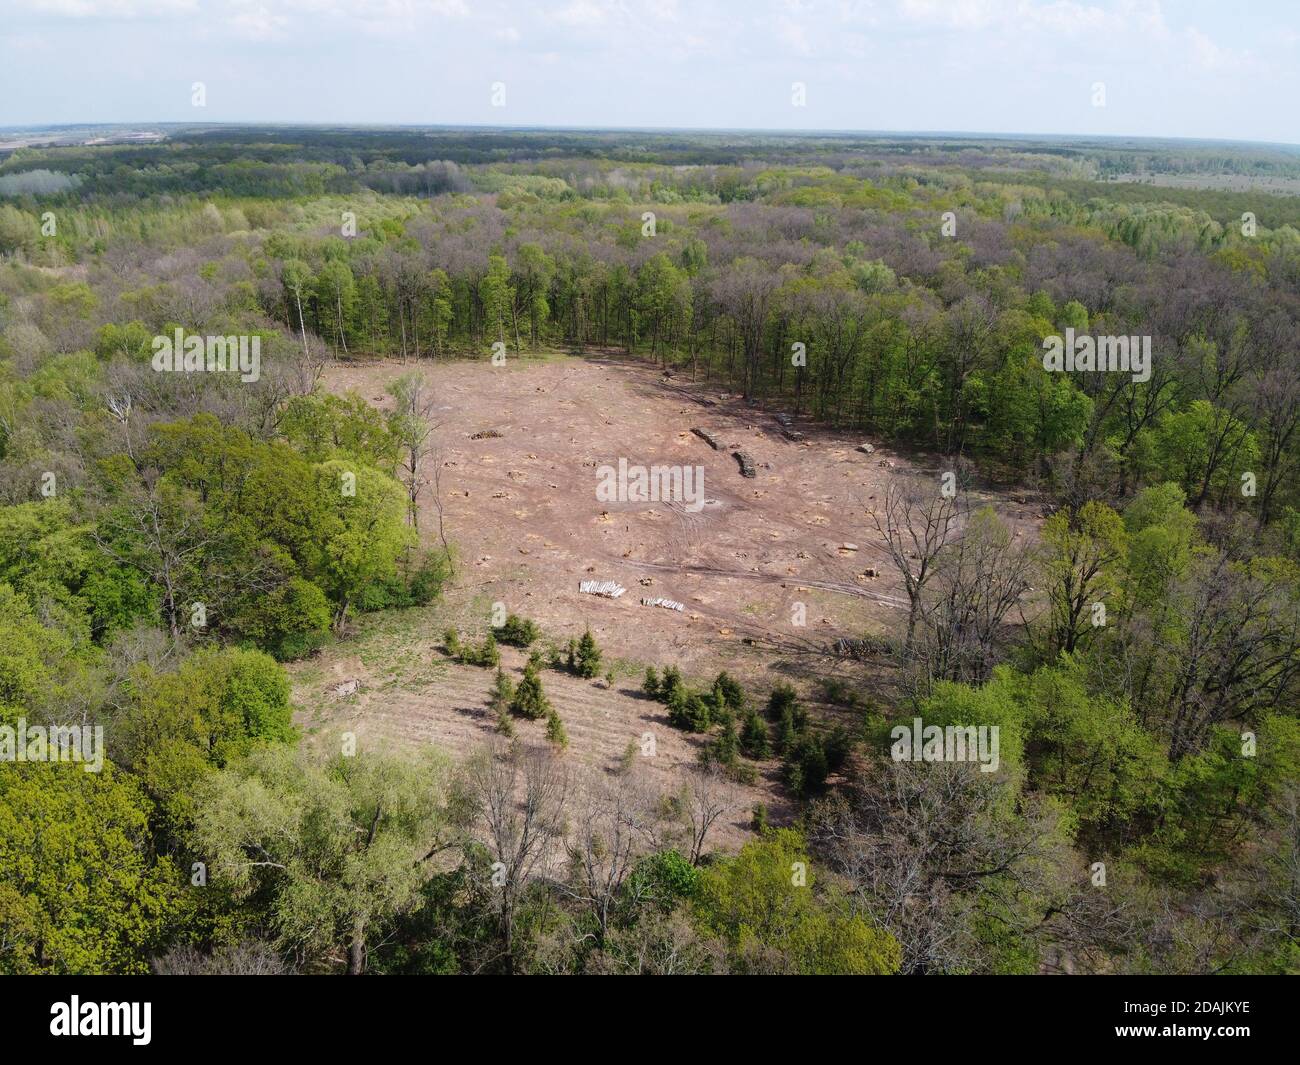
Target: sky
{"points": [[1177, 68]]}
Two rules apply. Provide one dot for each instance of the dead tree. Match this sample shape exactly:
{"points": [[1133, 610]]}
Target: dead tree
{"points": [[612, 827], [917, 521], [978, 580], [410, 424], [517, 799], [706, 799]]}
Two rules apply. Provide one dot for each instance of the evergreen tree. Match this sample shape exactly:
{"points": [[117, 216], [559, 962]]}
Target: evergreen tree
{"points": [[530, 700], [555, 730], [754, 742], [588, 656], [651, 683]]}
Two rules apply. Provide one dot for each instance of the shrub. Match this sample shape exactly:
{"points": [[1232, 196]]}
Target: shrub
{"points": [[503, 691], [671, 684], [806, 767], [723, 748], [517, 632], [690, 711], [728, 694], [485, 654], [663, 879], [588, 657], [841, 693], [555, 730]]}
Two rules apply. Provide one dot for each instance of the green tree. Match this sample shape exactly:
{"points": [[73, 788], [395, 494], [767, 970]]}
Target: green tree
{"points": [[766, 906], [79, 892], [588, 656], [363, 529], [530, 700], [497, 296], [337, 851], [1083, 557]]}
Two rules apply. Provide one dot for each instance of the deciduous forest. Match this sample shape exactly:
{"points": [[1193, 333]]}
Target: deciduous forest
{"points": [[174, 545]]}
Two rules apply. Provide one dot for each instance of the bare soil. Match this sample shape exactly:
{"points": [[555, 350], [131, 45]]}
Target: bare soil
{"points": [[522, 510]]}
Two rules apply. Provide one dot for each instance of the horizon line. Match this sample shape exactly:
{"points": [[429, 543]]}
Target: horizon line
{"points": [[586, 128]]}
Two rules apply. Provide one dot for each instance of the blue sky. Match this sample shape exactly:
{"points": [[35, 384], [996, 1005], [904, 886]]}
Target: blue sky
{"points": [[1196, 68]]}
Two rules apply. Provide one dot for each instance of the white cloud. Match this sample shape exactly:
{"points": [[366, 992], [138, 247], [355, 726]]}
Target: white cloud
{"points": [[112, 9], [254, 21], [583, 13]]}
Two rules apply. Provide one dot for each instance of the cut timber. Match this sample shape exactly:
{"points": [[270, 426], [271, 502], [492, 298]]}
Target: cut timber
{"points": [[864, 648], [866, 449], [708, 438], [792, 434], [746, 463], [667, 604], [609, 589]]}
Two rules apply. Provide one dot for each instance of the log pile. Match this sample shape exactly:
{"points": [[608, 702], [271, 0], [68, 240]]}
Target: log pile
{"points": [[609, 589]]}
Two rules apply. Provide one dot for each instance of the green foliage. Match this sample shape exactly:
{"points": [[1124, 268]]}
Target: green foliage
{"points": [[663, 880], [340, 849], [689, 710], [586, 659], [217, 706], [772, 919], [754, 740], [555, 730], [651, 683], [671, 685], [486, 655], [79, 890], [518, 632], [530, 699], [291, 621]]}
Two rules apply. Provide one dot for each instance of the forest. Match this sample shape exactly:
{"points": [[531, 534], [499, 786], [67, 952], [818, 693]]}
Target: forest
{"points": [[171, 542]]}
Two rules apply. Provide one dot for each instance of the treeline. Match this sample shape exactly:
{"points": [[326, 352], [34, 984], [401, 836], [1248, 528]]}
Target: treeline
{"points": [[871, 325]]}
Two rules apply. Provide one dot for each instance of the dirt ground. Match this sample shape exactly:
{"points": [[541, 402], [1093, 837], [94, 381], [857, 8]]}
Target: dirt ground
{"points": [[522, 510]]}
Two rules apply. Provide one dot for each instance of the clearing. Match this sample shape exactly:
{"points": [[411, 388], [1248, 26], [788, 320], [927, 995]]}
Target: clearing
{"points": [[522, 510]]}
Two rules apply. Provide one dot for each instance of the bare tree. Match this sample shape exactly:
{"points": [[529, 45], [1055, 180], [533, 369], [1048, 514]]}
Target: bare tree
{"points": [[978, 580], [1237, 653], [708, 797], [922, 845], [250, 958], [410, 424], [612, 826], [516, 796], [918, 521]]}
